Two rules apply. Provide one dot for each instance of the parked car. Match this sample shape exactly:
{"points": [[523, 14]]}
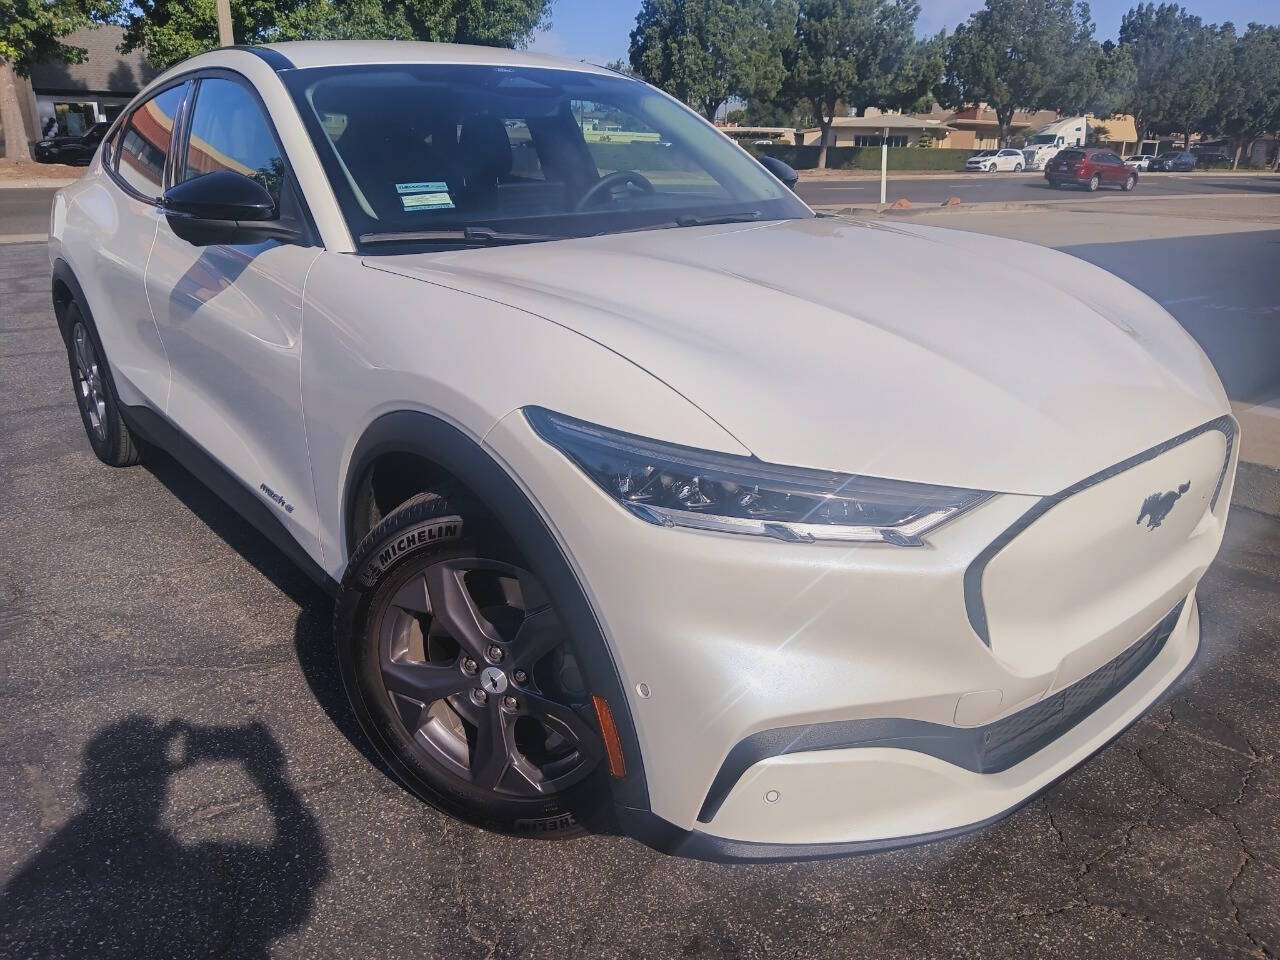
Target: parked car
{"points": [[993, 160], [601, 532], [1091, 168], [1139, 161], [1174, 161], [73, 150], [1211, 158]]}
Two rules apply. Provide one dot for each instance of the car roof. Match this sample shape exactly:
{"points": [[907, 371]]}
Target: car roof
{"points": [[331, 53]]}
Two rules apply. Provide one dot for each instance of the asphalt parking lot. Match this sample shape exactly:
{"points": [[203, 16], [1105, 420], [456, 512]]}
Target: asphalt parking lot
{"points": [[185, 779]]}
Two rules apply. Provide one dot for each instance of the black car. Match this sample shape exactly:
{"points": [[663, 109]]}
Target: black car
{"points": [[71, 149], [1179, 160], [1212, 158]]}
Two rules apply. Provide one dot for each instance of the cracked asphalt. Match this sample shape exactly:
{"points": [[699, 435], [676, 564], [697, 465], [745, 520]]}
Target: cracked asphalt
{"points": [[182, 777]]}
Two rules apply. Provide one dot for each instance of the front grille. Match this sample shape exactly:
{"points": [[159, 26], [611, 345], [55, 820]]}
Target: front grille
{"points": [[1016, 737]]}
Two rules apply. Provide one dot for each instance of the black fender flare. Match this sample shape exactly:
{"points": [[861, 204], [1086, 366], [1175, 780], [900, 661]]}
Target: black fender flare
{"points": [[427, 436], [61, 272]]}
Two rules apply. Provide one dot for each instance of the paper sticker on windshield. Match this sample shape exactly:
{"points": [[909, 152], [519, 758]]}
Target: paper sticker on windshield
{"points": [[414, 202], [427, 186]]}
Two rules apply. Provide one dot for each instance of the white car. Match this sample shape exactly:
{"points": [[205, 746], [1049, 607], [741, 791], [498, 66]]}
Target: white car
{"points": [[641, 489], [993, 160], [1139, 161]]}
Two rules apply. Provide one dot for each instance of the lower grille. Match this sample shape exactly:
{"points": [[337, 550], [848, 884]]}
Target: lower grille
{"points": [[1016, 737], [987, 749]]}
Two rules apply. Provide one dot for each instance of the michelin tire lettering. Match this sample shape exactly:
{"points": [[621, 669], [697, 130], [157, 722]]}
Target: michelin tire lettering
{"points": [[437, 531]]}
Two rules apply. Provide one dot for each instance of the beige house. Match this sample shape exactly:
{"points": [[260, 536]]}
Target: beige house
{"points": [[903, 130]]}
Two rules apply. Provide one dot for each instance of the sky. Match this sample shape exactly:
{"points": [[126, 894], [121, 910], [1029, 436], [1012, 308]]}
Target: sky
{"points": [[599, 30]]}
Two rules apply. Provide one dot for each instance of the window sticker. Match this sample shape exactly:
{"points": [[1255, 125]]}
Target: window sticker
{"points": [[424, 195]]}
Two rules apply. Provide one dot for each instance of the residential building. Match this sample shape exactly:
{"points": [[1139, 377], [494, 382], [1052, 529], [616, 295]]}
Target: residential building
{"points": [[67, 98]]}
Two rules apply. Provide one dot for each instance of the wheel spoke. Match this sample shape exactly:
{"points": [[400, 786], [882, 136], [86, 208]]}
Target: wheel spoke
{"points": [[423, 681], [495, 747], [413, 596], [540, 632], [564, 720], [452, 605]]}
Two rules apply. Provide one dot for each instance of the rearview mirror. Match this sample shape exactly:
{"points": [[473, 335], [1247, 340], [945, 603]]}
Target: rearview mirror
{"points": [[223, 207], [783, 171]]}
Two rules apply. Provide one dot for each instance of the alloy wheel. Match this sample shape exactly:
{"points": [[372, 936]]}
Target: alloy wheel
{"points": [[90, 390], [473, 659]]}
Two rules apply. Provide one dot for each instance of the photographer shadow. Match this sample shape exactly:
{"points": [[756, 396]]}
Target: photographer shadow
{"points": [[114, 881]]}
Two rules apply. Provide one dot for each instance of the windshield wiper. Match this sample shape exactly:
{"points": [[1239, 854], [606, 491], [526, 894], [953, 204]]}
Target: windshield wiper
{"points": [[745, 217], [474, 236]]}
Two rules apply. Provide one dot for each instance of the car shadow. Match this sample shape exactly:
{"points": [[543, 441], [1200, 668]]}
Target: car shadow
{"points": [[115, 881]]}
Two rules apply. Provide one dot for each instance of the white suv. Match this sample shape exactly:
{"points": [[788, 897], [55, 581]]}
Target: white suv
{"points": [[643, 491], [993, 160]]}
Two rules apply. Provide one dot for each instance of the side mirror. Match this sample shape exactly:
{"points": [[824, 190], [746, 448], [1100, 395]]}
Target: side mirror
{"points": [[223, 207], [783, 171]]}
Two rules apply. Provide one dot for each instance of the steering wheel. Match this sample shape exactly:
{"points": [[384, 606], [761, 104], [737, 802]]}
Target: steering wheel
{"points": [[609, 182]]}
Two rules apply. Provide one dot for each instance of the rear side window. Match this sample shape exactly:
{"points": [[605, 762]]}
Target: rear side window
{"points": [[1070, 155], [145, 141], [230, 132]]}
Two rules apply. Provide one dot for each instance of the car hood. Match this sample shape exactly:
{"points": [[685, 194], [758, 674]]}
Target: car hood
{"points": [[900, 351]]}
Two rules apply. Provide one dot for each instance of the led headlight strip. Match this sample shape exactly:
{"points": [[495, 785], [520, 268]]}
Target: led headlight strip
{"points": [[672, 485]]}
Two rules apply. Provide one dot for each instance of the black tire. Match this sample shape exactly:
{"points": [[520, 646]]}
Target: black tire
{"points": [[1094, 182], [424, 550], [1130, 183], [95, 393], [1017, 168]]}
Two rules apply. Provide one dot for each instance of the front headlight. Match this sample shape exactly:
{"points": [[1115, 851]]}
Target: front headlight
{"points": [[680, 486]]}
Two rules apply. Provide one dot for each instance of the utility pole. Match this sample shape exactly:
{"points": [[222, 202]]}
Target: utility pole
{"points": [[884, 162], [225, 37]]}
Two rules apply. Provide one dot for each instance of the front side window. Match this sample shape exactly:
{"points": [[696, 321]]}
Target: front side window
{"points": [[145, 140], [554, 153], [230, 132]]}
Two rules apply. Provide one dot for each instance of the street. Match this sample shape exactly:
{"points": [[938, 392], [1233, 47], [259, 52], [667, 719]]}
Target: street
{"points": [[930, 190], [183, 768], [25, 212]]}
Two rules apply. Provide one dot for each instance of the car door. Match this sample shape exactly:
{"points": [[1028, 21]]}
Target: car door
{"points": [[119, 213], [230, 315]]}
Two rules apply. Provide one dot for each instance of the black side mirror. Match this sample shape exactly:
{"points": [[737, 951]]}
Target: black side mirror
{"points": [[783, 171], [223, 207]]}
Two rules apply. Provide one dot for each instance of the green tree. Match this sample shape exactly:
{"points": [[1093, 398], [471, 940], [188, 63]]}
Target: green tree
{"points": [[172, 30], [1248, 103], [705, 52], [862, 53], [31, 31], [1019, 54], [1175, 56]]}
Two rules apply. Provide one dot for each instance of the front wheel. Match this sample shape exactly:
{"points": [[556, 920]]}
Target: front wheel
{"points": [[460, 671], [1130, 183], [1017, 168], [991, 168]]}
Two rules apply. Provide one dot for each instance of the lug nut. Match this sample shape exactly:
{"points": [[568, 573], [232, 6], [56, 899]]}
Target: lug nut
{"points": [[469, 665], [495, 653], [520, 676], [509, 702], [479, 696]]}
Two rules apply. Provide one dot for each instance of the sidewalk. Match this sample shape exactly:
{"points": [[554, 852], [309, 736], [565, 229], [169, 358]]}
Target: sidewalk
{"points": [[1258, 480]]}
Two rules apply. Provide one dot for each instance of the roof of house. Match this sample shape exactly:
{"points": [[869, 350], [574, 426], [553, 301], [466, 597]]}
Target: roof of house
{"points": [[894, 121], [104, 70], [1120, 128]]}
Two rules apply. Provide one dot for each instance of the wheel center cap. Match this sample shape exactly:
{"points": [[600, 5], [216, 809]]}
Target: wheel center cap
{"points": [[493, 680]]}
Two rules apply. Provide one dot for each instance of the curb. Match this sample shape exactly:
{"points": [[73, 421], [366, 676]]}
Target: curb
{"points": [[23, 238], [1257, 488]]}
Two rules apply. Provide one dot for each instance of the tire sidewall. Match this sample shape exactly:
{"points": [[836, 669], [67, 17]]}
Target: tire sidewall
{"points": [[108, 449], [424, 530]]}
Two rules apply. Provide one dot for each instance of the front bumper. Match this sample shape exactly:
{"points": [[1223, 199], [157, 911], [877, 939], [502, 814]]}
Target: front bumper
{"points": [[735, 637]]}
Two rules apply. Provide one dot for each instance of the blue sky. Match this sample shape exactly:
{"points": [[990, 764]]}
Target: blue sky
{"points": [[599, 30]]}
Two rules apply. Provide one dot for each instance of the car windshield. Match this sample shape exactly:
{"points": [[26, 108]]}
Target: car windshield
{"points": [[439, 153], [1041, 138]]}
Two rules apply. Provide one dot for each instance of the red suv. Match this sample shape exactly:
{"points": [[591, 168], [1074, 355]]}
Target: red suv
{"points": [[1089, 167]]}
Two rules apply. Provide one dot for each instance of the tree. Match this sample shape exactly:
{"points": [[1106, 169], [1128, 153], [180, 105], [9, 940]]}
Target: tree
{"points": [[706, 51], [862, 53], [172, 30], [31, 31], [1174, 54], [1019, 54], [1248, 104]]}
